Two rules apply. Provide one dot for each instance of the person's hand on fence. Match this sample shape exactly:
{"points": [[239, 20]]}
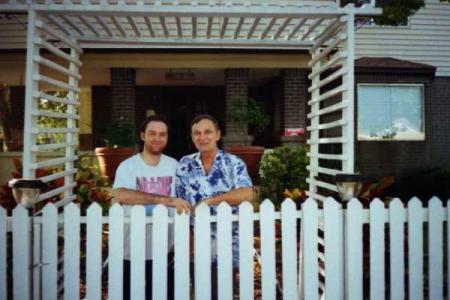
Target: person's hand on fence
{"points": [[182, 206]]}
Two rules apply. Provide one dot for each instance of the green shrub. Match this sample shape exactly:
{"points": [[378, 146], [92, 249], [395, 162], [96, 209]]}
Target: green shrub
{"points": [[282, 168], [117, 134]]}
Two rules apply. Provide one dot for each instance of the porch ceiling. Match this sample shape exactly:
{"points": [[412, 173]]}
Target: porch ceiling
{"points": [[193, 24]]}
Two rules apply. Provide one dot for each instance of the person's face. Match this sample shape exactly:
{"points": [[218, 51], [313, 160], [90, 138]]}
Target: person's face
{"points": [[155, 137], [205, 136]]}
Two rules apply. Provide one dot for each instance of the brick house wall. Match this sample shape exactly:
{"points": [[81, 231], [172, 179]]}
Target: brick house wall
{"points": [[123, 81], [378, 158], [295, 97], [236, 87]]}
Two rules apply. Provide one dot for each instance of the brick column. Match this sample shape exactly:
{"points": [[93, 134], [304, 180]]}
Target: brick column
{"points": [[123, 81], [295, 94], [236, 86]]}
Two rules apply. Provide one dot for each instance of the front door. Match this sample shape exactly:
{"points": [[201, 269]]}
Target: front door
{"points": [[180, 105]]}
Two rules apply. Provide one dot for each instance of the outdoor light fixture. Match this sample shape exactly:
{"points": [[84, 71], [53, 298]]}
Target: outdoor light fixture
{"points": [[349, 185], [26, 191]]}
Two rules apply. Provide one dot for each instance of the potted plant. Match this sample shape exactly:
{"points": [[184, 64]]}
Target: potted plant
{"points": [[120, 141], [245, 113]]}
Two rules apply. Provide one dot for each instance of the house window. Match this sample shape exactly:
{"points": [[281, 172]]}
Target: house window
{"points": [[391, 112]]}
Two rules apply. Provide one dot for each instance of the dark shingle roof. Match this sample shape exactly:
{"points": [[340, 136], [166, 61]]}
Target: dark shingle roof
{"points": [[389, 64]]}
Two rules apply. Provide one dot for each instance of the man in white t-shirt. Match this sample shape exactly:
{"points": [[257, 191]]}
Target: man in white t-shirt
{"points": [[147, 178]]}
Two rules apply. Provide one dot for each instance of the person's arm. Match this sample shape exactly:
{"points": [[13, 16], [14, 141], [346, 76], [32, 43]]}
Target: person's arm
{"points": [[132, 197], [243, 189], [233, 197]]}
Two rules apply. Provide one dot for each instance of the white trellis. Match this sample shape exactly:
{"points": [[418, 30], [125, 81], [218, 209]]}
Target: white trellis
{"points": [[65, 27]]}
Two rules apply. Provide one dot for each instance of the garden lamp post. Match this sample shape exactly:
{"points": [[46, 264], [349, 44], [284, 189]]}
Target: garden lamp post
{"points": [[26, 193], [348, 186]]}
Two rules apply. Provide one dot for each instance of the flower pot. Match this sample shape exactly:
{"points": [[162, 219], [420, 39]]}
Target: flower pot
{"points": [[110, 158], [251, 155]]}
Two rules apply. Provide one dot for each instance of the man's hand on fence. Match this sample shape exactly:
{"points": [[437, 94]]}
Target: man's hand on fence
{"points": [[181, 205]]}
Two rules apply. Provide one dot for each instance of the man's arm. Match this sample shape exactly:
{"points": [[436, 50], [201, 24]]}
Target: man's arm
{"points": [[130, 197], [233, 197]]}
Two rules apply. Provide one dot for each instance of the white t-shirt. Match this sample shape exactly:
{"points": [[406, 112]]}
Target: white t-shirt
{"points": [[135, 174]]}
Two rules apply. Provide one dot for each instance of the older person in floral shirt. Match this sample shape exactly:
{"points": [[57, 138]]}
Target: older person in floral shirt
{"points": [[212, 176]]}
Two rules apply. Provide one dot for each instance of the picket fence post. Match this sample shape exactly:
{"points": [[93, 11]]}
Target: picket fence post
{"points": [[138, 236], [246, 252], [21, 248], [182, 256], [415, 253], [289, 248], [116, 252], [50, 252], [268, 272], [310, 225], [224, 252], [376, 219], [94, 252], [202, 252], [159, 253], [396, 241], [71, 252], [334, 249], [435, 248]]}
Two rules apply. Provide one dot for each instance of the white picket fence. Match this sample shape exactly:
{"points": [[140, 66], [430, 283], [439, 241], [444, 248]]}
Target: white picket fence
{"points": [[306, 272]]}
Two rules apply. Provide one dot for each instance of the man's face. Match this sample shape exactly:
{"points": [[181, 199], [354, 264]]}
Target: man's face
{"points": [[205, 136], [155, 137]]}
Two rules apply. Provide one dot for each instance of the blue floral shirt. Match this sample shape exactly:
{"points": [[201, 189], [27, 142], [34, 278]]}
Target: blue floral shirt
{"points": [[228, 172]]}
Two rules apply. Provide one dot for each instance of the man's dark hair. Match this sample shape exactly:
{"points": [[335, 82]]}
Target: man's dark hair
{"points": [[199, 118], [153, 118]]}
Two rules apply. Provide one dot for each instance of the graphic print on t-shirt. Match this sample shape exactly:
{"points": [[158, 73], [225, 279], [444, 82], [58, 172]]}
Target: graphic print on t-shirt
{"points": [[156, 185]]}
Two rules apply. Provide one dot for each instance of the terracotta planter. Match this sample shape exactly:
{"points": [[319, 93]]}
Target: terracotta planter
{"points": [[110, 158], [251, 155]]}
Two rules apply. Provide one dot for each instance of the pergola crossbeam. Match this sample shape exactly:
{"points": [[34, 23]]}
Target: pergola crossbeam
{"points": [[119, 26], [300, 24], [199, 11], [199, 42], [88, 25], [135, 28], [312, 28], [149, 24], [238, 28], [104, 25], [223, 27], [268, 28], [73, 25], [179, 28], [162, 21], [194, 27], [253, 27], [53, 20], [281, 29]]}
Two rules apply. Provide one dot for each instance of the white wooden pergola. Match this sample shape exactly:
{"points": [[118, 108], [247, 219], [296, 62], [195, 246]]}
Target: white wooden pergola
{"points": [[65, 27]]}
